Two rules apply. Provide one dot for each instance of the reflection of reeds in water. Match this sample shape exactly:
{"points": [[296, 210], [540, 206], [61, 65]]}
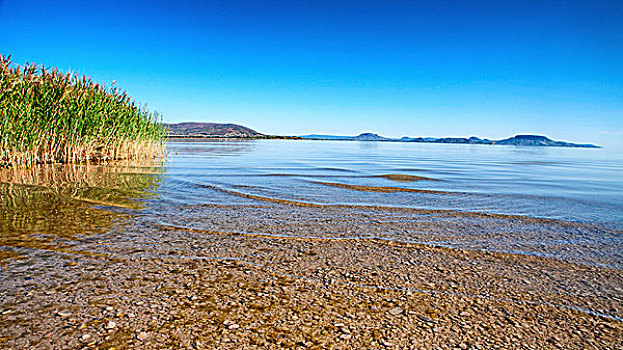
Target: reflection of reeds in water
{"points": [[49, 206], [47, 116]]}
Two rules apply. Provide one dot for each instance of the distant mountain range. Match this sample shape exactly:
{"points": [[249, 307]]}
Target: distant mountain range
{"points": [[208, 130], [519, 140]]}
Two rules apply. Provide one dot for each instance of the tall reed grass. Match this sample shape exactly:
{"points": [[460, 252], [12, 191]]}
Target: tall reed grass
{"points": [[51, 117]]}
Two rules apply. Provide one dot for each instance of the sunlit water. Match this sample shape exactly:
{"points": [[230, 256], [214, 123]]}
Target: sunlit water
{"points": [[584, 185], [581, 189], [555, 202]]}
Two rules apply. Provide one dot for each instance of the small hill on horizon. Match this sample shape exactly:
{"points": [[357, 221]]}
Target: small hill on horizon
{"points": [[518, 140], [193, 129], [230, 130]]}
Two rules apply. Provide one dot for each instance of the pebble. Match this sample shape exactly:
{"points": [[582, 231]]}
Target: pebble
{"points": [[426, 319], [63, 314], [142, 336], [395, 311], [85, 338], [110, 325], [230, 325], [387, 344]]}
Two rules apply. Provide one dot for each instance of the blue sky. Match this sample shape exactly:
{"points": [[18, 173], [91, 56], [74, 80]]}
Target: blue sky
{"points": [[418, 68]]}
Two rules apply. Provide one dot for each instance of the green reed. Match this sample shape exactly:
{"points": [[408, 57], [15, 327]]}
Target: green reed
{"points": [[47, 117]]}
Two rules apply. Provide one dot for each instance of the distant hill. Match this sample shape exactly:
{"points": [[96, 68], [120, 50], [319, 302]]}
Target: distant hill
{"points": [[518, 140], [536, 140], [368, 136], [209, 130]]}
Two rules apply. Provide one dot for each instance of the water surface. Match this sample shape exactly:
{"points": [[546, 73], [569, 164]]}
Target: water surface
{"points": [[530, 228], [559, 202], [563, 183]]}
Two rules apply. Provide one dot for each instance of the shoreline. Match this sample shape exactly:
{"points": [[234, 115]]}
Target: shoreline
{"points": [[278, 137], [101, 257], [170, 296], [221, 288]]}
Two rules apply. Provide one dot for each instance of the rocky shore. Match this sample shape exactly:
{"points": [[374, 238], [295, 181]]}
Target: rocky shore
{"points": [[149, 285]]}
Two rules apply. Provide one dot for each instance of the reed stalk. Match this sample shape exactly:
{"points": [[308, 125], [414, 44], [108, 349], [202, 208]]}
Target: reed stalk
{"points": [[51, 117]]}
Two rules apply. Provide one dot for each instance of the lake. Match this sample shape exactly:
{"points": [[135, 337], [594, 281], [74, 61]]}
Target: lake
{"points": [[582, 187], [318, 244]]}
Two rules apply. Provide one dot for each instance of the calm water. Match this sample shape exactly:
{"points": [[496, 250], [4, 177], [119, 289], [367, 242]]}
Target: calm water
{"points": [[584, 185], [555, 202], [580, 189]]}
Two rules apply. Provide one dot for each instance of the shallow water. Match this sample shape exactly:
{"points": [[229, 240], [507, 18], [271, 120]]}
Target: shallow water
{"points": [[420, 192], [463, 226], [555, 202]]}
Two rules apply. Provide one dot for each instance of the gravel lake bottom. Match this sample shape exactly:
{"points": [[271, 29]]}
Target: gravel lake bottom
{"points": [[273, 244]]}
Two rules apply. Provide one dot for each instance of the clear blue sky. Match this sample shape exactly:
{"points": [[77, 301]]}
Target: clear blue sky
{"points": [[417, 68]]}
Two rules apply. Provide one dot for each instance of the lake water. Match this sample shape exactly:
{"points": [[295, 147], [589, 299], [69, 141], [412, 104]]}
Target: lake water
{"points": [[433, 193], [555, 202], [584, 185], [537, 231]]}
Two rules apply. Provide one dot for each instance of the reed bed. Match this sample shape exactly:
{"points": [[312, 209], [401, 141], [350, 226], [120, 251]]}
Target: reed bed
{"points": [[51, 117]]}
